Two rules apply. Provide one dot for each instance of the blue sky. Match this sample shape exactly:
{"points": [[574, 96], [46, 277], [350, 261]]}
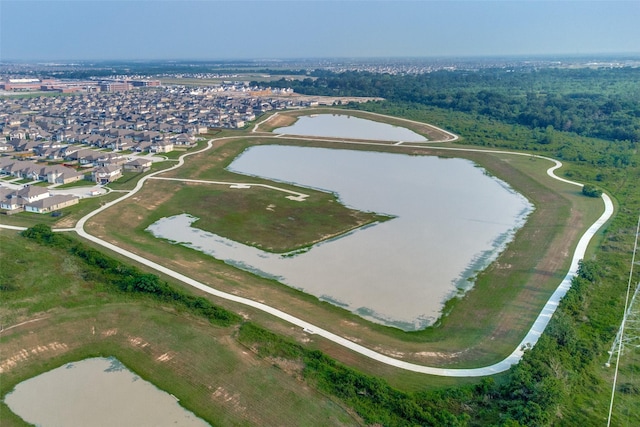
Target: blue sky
{"points": [[212, 29]]}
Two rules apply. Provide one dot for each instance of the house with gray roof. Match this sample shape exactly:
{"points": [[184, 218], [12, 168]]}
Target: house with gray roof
{"points": [[52, 203]]}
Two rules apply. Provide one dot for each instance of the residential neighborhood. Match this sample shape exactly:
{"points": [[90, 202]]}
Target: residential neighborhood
{"points": [[99, 132], [63, 131]]}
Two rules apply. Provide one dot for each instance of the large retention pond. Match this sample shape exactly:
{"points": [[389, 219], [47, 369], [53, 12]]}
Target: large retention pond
{"points": [[451, 220], [96, 392]]}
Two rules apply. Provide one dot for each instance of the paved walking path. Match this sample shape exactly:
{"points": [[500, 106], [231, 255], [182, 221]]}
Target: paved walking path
{"points": [[529, 340], [294, 195]]}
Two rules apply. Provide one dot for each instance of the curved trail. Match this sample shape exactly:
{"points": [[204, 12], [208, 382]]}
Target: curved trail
{"points": [[528, 341]]}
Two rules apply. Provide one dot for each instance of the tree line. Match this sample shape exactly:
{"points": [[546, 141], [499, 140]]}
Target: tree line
{"points": [[129, 279], [600, 103]]}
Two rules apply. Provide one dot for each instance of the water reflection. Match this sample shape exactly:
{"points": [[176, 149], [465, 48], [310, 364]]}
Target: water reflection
{"points": [[451, 220], [341, 126]]}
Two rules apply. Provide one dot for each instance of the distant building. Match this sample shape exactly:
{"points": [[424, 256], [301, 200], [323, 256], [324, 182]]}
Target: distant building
{"points": [[145, 83], [138, 165], [114, 86]]}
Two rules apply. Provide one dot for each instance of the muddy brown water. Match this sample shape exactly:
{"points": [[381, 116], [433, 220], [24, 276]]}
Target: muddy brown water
{"points": [[96, 392], [451, 219]]}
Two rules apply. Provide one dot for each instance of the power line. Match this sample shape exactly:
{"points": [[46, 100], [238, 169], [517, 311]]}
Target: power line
{"points": [[620, 336]]}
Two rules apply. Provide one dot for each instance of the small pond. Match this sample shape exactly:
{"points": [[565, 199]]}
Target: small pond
{"points": [[342, 126], [451, 219], [96, 392]]}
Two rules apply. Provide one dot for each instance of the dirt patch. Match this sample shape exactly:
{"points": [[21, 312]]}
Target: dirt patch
{"points": [[229, 399], [277, 121], [137, 342], [109, 332], [291, 367], [24, 354], [165, 357], [66, 223]]}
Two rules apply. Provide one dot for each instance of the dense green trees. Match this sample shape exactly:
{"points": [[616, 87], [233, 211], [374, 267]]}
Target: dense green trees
{"points": [[594, 103], [591, 191]]}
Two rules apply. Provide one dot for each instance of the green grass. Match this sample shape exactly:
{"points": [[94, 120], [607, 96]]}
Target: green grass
{"points": [[260, 217], [587, 389], [79, 183], [484, 312], [70, 215], [457, 330], [212, 375]]}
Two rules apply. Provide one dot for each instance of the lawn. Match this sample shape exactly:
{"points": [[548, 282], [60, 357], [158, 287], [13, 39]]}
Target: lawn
{"points": [[260, 217]]}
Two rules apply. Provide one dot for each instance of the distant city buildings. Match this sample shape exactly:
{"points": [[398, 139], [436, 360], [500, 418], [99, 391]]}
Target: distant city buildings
{"points": [[71, 86]]}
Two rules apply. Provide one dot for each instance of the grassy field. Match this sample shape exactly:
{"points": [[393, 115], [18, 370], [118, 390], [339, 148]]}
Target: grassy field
{"points": [[73, 317], [264, 219]]}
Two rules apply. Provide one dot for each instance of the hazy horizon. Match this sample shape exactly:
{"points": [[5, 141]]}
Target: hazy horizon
{"points": [[112, 30], [376, 59]]}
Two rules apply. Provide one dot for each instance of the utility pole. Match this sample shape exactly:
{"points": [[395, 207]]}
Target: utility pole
{"points": [[631, 320]]}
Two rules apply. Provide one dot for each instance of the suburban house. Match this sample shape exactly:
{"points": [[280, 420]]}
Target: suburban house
{"points": [[63, 175], [52, 203], [34, 199], [184, 140], [138, 165], [30, 194], [7, 202], [106, 174], [38, 172], [161, 147]]}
